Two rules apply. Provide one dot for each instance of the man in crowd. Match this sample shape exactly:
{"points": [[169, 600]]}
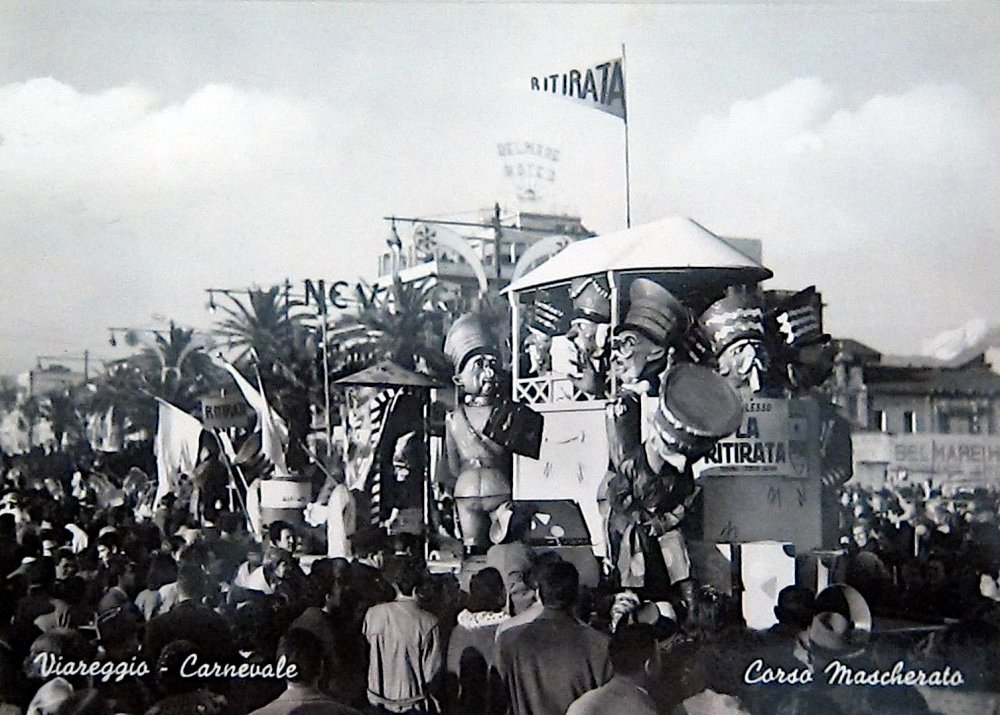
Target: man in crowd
{"points": [[406, 657], [366, 577], [337, 625], [527, 597], [303, 661], [284, 536], [121, 583], [190, 620], [788, 639], [543, 666], [634, 657]]}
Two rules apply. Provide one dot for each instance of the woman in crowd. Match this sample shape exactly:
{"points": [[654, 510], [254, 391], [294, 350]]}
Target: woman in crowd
{"points": [[472, 641]]}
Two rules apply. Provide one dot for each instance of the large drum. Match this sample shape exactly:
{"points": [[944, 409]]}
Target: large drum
{"points": [[284, 499]]}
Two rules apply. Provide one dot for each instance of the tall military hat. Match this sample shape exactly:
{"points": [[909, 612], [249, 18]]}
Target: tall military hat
{"points": [[547, 314], [655, 312], [797, 320], [467, 337], [697, 407], [591, 298], [737, 316], [796, 323]]}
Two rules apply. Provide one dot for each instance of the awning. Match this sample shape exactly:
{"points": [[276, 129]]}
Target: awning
{"points": [[678, 245], [388, 374]]}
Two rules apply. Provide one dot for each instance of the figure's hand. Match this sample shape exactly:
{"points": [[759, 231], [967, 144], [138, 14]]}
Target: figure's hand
{"points": [[393, 518], [590, 380], [315, 514], [607, 566]]}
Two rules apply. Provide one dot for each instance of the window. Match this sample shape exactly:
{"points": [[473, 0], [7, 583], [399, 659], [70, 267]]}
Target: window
{"points": [[909, 422], [958, 423], [878, 421]]}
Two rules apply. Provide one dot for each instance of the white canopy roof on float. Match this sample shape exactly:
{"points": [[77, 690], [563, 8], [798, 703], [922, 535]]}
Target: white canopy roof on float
{"points": [[672, 245]]}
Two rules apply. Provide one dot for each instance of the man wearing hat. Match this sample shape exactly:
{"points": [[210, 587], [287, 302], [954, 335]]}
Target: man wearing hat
{"points": [[799, 343], [735, 327], [808, 356], [588, 333], [639, 352], [654, 485], [481, 467]]}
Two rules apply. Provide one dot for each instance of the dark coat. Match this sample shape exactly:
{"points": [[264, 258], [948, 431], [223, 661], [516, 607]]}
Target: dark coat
{"points": [[545, 665]]}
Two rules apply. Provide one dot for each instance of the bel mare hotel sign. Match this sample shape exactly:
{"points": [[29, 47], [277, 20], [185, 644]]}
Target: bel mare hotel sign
{"points": [[957, 457]]}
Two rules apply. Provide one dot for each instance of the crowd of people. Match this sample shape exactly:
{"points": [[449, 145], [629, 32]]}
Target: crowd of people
{"points": [[106, 609], [918, 552]]}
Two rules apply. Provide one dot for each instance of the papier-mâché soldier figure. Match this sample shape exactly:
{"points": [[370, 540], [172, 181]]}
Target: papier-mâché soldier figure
{"points": [[480, 466]]}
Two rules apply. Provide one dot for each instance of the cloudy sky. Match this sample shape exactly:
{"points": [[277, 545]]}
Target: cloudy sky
{"points": [[151, 150]]}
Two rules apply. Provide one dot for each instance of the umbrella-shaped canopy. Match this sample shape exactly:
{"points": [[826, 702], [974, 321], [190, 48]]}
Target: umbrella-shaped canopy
{"points": [[388, 374], [677, 245]]}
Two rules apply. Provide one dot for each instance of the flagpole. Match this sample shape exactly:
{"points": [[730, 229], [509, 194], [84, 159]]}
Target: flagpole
{"points": [[628, 187]]}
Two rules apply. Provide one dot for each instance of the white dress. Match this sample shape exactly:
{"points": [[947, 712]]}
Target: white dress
{"points": [[340, 522]]}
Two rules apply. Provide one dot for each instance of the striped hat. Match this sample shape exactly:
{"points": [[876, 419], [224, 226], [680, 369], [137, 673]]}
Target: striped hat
{"points": [[738, 316], [591, 298], [547, 314], [798, 321]]}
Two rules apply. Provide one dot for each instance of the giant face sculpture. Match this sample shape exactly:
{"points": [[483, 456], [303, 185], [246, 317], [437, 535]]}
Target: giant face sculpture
{"points": [[735, 327], [743, 363], [478, 377], [631, 352]]}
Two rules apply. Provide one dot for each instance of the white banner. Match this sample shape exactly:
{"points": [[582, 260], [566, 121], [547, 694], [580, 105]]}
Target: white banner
{"points": [[599, 87]]}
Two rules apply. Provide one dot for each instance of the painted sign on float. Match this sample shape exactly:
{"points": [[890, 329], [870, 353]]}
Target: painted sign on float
{"points": [[769, 441]]}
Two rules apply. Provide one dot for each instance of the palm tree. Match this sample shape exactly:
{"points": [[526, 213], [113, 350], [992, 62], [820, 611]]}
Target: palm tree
{"points": [[61, 409], [123, 387], [173, 365], [266, 328], [266, 333], [403, 325]]}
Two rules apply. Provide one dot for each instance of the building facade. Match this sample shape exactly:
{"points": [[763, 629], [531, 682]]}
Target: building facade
{"points": [[918, 420], [489, 245]]}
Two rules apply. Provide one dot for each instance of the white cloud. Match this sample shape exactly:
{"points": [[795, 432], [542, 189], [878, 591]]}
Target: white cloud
{"points": [[889, 205], [125, 142], [117, 205]]}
